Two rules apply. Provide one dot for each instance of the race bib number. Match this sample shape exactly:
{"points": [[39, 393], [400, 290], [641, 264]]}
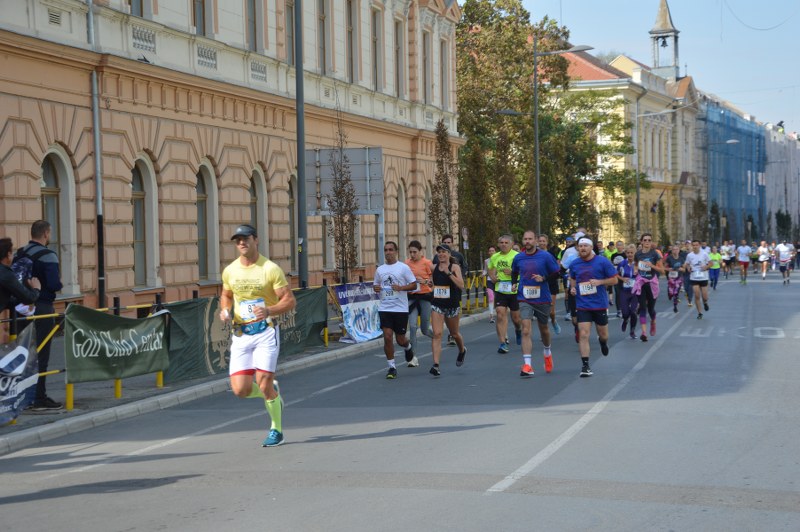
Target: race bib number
{"points": [[531, 292], [503, 286], [441, 292], [387, 292], [644, 266], [699, 275], [628, 283], [587, 289], [674, 274], [248, 308]]}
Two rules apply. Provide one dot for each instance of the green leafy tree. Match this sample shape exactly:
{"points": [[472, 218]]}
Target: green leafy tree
{"points": [[663, 234]]}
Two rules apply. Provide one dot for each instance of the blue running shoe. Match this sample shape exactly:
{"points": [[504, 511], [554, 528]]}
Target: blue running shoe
{"points": [[518, 332], [556, 327], [503, 349], [274, 439]]}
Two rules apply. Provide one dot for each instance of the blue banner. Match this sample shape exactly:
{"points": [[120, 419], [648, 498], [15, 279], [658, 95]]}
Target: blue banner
{"points": [[19, 371], [359, 304]]}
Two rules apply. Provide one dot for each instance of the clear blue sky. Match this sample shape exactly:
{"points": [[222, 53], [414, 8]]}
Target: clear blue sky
{"points": [[742, 61]]}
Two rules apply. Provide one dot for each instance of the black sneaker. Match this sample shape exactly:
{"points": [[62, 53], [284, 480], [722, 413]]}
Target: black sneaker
{"points": [[409, 354], [461, 355], [700, 316], [604, 348], [435, 371], [705, 305], [46, 404], [586, 371], [392, 373]]}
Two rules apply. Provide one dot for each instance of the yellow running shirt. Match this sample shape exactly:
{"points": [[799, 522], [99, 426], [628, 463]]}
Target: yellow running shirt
{"points": [[252, 285]]}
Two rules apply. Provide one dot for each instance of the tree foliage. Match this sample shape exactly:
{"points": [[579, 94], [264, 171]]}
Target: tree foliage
{"points": [[783, 225], [582, 134], [441, 215], [342, 204]]}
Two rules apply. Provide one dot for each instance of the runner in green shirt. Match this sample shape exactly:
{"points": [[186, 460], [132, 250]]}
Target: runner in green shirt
{"points": [[505, 294], [716, 261]]}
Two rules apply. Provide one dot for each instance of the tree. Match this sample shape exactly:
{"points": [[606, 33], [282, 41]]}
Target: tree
{"points": [[342, 204], [783, 225], [663, 235], [474, 199], [441, 215]]}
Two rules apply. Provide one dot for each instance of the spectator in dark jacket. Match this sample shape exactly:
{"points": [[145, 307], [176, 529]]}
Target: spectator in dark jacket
{"points": [[12, 291], [46, 269]]}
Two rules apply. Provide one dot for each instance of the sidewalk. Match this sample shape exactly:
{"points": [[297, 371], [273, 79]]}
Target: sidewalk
{"points": [[95, 404]]}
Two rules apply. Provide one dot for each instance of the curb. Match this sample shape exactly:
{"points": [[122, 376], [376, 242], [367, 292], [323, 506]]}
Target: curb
{"points": [[36, 435]]}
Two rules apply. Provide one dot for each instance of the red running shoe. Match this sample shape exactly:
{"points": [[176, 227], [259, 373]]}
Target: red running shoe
{"points": [[548, 363]]}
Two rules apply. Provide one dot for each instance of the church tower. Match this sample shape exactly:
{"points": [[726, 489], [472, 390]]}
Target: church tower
{"points": [[663, 37]]}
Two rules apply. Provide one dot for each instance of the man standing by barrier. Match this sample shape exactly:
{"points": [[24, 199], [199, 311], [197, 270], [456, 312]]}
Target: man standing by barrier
{"points": [[392, 281], [12, 290], [254, 289], [45, 268]]}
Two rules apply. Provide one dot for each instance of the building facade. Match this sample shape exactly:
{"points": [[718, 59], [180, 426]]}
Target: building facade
{"points": [[197, 133]]}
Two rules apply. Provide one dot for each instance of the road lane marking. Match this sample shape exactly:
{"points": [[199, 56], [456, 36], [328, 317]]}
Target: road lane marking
{"points": [[553, 447]]}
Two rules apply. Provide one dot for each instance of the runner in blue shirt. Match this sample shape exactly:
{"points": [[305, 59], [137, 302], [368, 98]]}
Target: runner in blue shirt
{"points": [[589, 274], [530, 270]]}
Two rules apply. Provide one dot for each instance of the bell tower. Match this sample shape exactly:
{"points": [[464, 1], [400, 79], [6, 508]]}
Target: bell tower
{"points": [[664, 37]]}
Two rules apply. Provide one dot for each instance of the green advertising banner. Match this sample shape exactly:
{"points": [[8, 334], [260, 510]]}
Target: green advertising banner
{"points": [[199, 343], [100, 346]]}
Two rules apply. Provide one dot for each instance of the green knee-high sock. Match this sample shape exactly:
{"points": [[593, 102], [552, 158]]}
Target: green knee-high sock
{"points": [[255, 391], [275, 410]]}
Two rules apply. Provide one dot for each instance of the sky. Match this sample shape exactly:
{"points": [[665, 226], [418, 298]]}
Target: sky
{"points": [[743, 51]]}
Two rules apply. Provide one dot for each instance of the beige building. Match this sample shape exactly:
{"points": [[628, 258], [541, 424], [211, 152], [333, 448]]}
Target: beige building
{"points": [[662, 108], [197, 129]]}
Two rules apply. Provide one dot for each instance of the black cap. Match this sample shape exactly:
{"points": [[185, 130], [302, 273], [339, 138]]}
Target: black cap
{"points": [[444, 247], [244, 230]]}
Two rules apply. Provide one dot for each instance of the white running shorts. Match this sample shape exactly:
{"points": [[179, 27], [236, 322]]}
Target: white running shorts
{"points": [[256, 352]]}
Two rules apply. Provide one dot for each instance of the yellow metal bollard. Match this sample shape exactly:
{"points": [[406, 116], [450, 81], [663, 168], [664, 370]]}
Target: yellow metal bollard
{"points": [[117, 388], [325, 336], [159, 379], [69, 402]]}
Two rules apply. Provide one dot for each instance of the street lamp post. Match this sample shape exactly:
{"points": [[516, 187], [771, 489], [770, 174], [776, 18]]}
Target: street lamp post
{"points": [[536, 56]]}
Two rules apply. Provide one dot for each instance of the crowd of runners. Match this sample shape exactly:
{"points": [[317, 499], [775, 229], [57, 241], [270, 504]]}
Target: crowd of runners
{"points": [[524, 280]]}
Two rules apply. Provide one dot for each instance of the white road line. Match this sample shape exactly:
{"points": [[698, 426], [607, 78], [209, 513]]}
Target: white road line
{"points": [[166, 443], [553, 447]]}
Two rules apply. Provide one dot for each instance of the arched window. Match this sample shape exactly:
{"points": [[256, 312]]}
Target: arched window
{"points": [[402, 231], [259, 216], [139, 228], [202, 226], [51, 204], [293, 229]]}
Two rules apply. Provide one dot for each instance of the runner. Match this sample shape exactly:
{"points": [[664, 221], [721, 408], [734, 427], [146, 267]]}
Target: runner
{"points": [[254, 290], [674, 266], [461, 260], [419, 301], [743, 255], [552, 281], [448, 282], [698, 264], [589, 275], [392, 281], [763, 258], [489, 284], [648, 267], [713, 272], [571, 254], [531, 270], [687, 284], [727, 250], [616, 259], [784, 252], [629, 303], [505, 297]]}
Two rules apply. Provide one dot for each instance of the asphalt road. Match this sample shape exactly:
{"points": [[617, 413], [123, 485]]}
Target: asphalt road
{"points": [[696, 429]]}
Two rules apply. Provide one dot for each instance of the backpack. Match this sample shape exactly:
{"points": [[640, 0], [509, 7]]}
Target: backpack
{"points": [[22, 266]]}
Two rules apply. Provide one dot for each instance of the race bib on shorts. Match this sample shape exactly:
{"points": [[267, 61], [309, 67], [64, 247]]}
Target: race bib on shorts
{"points": [[531, 292], [503, 286], [441, 292], [587, 289], [699, 275], [674, 274], [248, 308], [628, 283], [644, 266]]}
